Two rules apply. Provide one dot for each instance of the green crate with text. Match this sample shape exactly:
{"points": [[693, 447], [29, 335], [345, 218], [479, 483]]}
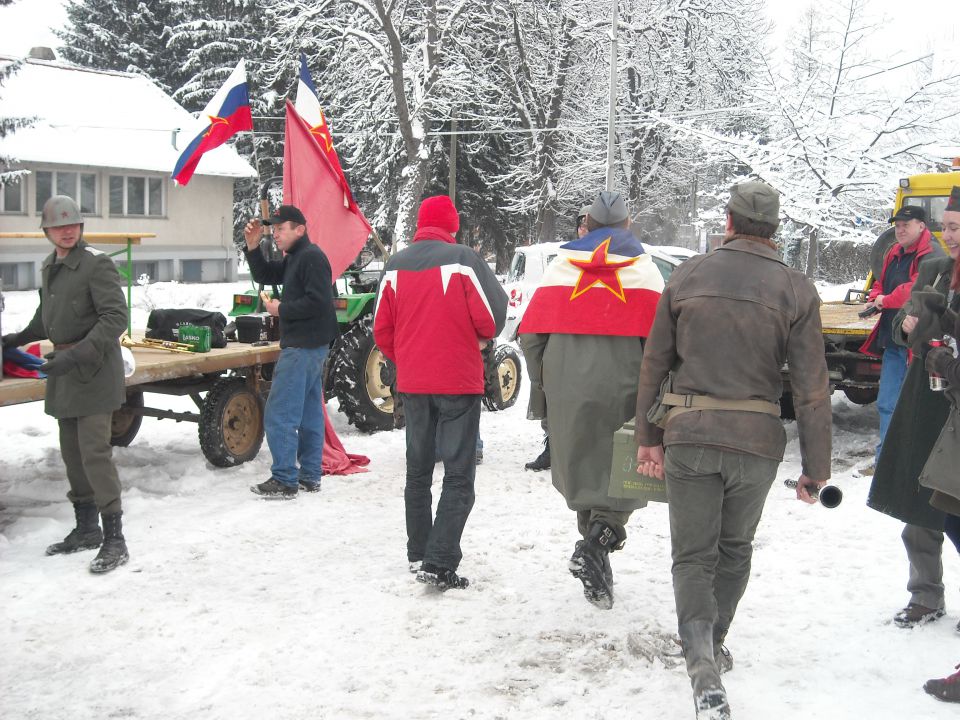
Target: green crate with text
{"points": [[196, 336], [624, 480]]}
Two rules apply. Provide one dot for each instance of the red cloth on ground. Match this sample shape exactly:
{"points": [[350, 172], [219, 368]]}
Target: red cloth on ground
{"points": [[336, 460]]}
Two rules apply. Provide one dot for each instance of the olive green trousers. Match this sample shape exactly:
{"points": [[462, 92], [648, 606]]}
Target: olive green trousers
{"points": [[88, 458]]}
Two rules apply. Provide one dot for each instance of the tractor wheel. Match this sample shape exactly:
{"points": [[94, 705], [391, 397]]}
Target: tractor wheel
{"points": [[125, 424], [503, 384], [362, 377], [231, 423], [861, 396]]}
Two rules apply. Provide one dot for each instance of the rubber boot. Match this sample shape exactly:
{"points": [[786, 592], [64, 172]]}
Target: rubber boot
{"points": [[709, 696], [85, 536], [591, 566], [113, 553]]}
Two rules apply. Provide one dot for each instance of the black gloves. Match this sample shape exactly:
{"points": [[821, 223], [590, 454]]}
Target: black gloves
{"points": [[82, 356], [941, 361], [11, 340], [934, 317]]}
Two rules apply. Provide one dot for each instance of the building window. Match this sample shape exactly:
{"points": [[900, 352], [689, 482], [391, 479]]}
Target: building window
{"points": [[191, 271], [136, 195], [8, 276], [80, 186], [11, 197], [148, 268]]}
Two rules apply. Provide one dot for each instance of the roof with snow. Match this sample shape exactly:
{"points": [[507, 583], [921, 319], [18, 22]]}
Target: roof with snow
{"points": [[101, 118]]}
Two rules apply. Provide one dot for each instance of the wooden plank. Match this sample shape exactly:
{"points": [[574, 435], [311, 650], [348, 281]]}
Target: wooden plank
{"points": [[155, 366], [839, 318], [93, 238]]}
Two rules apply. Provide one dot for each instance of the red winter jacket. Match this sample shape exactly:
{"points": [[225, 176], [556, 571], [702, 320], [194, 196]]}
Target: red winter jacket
{"points": [[900, 294], [437, 301]]}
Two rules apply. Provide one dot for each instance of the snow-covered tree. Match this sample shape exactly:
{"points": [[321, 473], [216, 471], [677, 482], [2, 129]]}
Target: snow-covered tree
{"points": [[840, 132], [684, 67], [127, 35], [391, 72], [9, 124]]}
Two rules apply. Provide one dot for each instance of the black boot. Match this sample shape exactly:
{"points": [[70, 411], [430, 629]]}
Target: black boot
{"points": [[591, 566], [709, 695], [542, 461], [441, 578], [85, 536], [721, 653], [114, 550]]}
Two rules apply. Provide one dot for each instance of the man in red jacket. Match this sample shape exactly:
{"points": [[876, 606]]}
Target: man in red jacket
{"points": [[439, 305], [889, 293]]}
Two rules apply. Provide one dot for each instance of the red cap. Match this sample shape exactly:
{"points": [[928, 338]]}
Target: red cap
{"points": [[438, 211]]}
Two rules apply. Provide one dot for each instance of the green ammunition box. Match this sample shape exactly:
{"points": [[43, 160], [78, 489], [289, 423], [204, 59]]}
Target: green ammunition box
{"points": [[196, 336], [624, 480]]}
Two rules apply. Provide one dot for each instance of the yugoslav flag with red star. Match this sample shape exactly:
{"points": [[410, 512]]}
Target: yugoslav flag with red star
{"points": [[601, 284], [227, 113], [307, 105]]}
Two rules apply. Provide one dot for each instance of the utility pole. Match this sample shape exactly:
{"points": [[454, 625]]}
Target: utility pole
{"points": [[452, 183], [613, 93]]}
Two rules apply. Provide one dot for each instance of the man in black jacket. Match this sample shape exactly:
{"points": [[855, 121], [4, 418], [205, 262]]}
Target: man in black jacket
{"points": [[293, 419]]}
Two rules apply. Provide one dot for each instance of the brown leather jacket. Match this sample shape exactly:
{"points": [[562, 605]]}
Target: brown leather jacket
{"points": [[725, 325]]}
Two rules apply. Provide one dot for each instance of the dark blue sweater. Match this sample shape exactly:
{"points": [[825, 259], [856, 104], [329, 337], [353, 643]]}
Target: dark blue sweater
{"points": [[307, 316]]}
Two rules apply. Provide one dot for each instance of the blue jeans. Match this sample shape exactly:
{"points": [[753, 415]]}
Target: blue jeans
{"points": [[893, 370], [293, 420]]}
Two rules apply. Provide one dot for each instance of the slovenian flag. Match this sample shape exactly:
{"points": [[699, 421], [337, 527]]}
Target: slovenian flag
{"points": [[601, 284], [224, 116], [308, 107]]}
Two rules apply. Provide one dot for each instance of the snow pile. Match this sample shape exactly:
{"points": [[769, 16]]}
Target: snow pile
{"points": [[235, 607]]}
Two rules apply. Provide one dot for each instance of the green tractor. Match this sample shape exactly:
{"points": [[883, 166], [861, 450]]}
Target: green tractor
{"points": [[361, 377]]}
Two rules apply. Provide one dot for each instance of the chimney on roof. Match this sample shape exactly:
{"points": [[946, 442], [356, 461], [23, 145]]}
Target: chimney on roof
{"points": [[41, 53]]}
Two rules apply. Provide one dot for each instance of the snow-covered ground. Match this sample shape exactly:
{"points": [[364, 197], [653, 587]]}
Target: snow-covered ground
{"points": [[233, 607]]}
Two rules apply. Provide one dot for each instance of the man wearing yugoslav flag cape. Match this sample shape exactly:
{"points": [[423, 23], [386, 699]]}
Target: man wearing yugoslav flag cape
{"points": [[582, 336]]}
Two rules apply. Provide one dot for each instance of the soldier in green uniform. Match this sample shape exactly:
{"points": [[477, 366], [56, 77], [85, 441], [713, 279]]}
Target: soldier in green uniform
{"points": [[82, 312]]}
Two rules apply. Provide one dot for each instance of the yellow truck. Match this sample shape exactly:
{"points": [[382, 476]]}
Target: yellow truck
{"points": [[857, 374]]}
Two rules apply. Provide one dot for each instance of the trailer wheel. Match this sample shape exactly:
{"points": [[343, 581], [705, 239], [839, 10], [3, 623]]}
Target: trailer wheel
{"points": [[503, 384], [124, 425], [861, 396], [231, 423], [362, 376]]}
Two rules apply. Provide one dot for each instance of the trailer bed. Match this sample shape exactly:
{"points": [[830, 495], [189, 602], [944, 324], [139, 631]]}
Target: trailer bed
{"points": [[154, 365], [840, 318], [228, 385]]}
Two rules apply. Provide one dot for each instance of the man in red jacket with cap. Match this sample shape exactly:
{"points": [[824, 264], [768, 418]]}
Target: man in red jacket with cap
{"points": [[888, 294], [439, 304]]}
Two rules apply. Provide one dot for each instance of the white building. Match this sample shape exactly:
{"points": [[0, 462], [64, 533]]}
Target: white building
{"points": [[106, 139]]}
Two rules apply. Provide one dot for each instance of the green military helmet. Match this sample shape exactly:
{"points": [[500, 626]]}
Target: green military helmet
{"points": [[60, 210]]}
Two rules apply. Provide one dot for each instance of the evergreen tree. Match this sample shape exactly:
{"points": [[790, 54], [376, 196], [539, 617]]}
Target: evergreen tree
{"points": [[127, 35]]}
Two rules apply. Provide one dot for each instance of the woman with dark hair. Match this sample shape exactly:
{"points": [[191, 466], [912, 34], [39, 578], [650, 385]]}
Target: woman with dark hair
{"points": [[920, 413], [939, 474]]}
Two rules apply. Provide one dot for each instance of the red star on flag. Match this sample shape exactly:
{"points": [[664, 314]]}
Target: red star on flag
{"points": [[214, 121], [597, 271], [322, 132]]}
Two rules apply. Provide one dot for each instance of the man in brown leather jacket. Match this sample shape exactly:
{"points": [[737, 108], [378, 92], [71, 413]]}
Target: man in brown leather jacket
{"points": [[724, 327]]}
